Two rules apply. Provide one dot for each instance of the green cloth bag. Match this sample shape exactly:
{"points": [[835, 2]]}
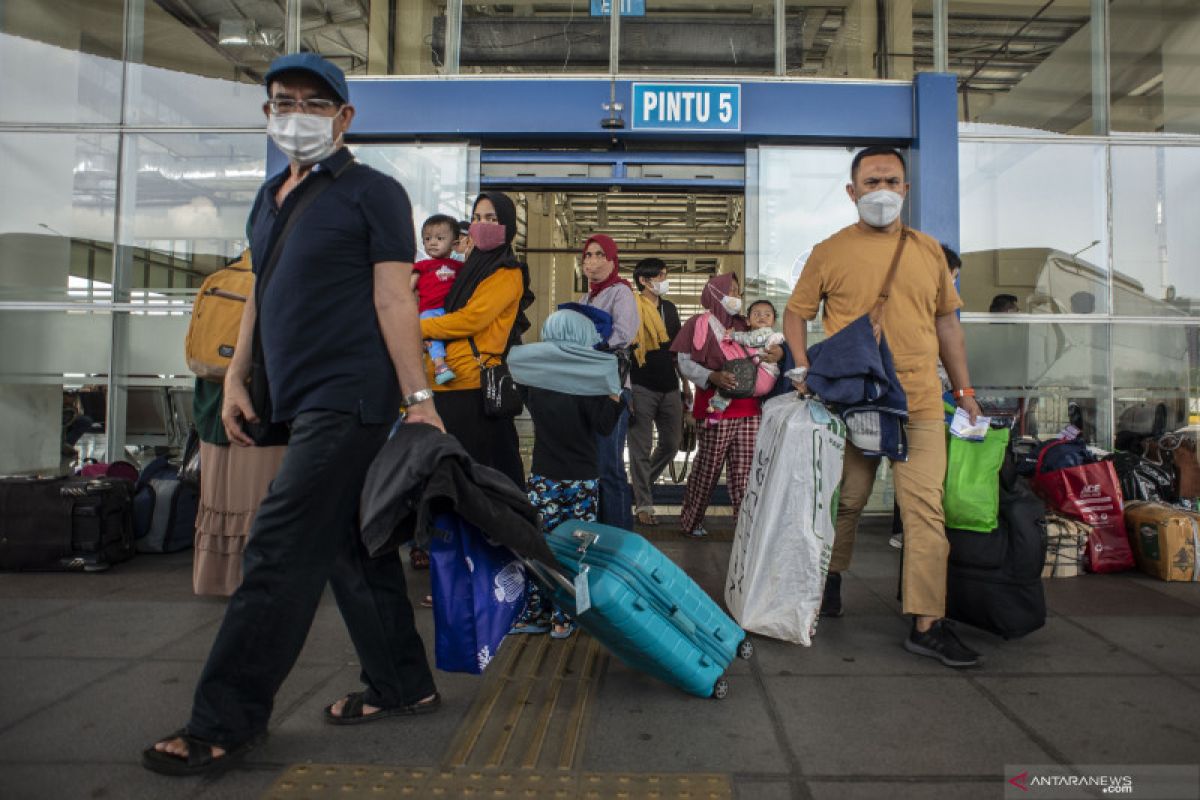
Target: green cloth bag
{"points": [[972, 497]]}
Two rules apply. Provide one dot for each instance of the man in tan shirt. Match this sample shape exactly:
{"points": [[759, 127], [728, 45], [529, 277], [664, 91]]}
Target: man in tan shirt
{"points": [[846, 272]]}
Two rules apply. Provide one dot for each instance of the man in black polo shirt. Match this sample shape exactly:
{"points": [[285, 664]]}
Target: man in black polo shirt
{"points": [[342, 348], [657, 403]]}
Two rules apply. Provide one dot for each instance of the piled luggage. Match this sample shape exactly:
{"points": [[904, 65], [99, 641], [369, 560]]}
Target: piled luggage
{"points": [[1077, 484]]}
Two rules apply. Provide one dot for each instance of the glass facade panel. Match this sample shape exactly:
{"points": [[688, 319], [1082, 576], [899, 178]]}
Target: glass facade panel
{"points": [[1156, 241], [53, 370], [736, 37], [436, 177], [1155, 75], [201, 67], [1034, 226], [801, 201], [56, 214], [1057, 373], [187, 198], [61, 61], [1027, 64], [1156, 380], [552, 37]]}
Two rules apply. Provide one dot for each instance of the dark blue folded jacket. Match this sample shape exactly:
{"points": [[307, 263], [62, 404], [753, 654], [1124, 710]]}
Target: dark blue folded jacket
{"points": [[856, 377]]}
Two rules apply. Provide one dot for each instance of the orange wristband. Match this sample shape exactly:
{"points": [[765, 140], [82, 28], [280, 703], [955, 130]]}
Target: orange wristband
{"points": [[961, 393]]}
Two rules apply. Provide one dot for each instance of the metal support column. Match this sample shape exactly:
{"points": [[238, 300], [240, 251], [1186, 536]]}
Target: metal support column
{"points": [[292, 27], [614, 38], [941, 42], [453, 36], [1100, 67], [781, 37]]}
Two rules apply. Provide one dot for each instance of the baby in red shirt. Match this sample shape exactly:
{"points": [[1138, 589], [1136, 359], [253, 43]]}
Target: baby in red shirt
{"points": [[432, 279]]}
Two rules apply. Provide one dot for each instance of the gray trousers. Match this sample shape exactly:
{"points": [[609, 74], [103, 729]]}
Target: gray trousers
{"points": [[652, 410]]}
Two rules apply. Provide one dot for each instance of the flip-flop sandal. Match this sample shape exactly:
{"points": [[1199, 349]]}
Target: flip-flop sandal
{"points": [[564, 631], [199, 759], [352, 710], [427, 601], [419, 558], [647, 519]]}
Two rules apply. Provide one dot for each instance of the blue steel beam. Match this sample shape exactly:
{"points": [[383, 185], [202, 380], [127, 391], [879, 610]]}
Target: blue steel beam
{"points": [[547, 108], [933, 157]]}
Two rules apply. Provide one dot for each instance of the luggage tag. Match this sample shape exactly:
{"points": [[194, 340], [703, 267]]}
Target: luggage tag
{"points": [[583, 595]]}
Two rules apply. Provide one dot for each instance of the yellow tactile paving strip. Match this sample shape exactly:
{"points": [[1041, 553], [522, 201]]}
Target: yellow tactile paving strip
{"points": [[523, 737], [323, 781], [532, 709]]}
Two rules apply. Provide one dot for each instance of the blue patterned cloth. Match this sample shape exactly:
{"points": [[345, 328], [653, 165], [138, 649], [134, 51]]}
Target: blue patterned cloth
{"points": [[556, 502]]}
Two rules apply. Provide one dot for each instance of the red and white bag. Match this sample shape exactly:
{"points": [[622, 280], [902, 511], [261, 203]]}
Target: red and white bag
{"points": [[1092, 493]]}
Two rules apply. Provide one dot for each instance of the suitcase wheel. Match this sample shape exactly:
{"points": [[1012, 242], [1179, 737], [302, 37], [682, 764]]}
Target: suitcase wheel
{"points": [[721, 689], [745, 649]]}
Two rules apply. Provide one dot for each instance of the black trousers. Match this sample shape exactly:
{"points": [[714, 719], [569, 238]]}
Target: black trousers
{"points": [[305, 535], [491, 442]]}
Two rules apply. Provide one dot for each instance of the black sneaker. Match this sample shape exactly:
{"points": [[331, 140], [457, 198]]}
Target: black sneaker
{"points": [[831, 600], [942, 643]]}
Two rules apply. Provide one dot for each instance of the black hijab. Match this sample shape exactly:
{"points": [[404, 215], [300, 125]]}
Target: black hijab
{"points": [[482, 265]]}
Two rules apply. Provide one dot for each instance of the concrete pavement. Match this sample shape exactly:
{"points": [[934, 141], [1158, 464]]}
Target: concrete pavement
{"points": [[94, 667]]}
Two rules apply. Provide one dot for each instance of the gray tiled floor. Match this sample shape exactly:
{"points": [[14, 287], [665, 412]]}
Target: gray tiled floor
{"points": [[93, 667]]}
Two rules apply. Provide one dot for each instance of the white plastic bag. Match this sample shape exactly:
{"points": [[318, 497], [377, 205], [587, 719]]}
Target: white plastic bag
{"points": [[785, 527]]}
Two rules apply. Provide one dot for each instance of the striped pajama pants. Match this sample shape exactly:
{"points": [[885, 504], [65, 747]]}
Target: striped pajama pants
{"points": [[729, 442]]}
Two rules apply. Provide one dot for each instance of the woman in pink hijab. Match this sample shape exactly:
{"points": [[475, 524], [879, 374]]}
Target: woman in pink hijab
{"points": [[727, 426]]}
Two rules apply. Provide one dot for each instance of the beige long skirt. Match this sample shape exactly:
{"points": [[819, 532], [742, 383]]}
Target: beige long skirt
{"points": [[233, 482]]}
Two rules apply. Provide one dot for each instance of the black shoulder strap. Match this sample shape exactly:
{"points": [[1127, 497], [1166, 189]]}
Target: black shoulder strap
{"points": [[311, 193]]}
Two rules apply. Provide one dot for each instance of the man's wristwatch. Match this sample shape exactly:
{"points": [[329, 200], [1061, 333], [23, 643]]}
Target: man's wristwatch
{"points": [[419, 396]]}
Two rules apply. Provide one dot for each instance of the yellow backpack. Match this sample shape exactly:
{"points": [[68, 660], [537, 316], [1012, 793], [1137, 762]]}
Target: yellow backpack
{"points": [[216, 317]]}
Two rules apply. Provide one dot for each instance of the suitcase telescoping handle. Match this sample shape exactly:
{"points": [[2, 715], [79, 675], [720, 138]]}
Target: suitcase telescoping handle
{"points": [[550, 577]]}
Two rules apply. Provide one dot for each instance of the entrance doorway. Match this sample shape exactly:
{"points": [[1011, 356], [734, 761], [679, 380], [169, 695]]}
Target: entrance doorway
{"points": [[697, 234]]}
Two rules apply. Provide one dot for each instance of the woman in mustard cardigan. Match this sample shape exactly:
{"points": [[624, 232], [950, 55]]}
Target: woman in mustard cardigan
{"points": [[486, 304]]}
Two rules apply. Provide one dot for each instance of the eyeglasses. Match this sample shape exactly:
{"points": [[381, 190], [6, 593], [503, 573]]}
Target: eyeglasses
{"points": [[286, 105]]}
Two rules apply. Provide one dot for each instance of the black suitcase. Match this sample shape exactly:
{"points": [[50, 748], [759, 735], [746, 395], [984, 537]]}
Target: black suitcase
{"points": [[994, 580], [65, 524]]}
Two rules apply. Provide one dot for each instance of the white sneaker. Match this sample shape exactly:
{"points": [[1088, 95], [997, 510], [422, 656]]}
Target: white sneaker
{"points": [[897, 541]]}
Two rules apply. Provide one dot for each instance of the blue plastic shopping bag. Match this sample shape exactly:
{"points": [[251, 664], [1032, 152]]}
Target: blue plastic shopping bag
{"points": [[478, 591]]}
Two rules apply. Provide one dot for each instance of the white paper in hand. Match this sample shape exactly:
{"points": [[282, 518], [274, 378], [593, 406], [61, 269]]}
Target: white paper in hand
{"points": [[962, 428]]}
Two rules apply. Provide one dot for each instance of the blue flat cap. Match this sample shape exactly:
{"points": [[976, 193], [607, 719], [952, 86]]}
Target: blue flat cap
{"points": [[314, 65]]}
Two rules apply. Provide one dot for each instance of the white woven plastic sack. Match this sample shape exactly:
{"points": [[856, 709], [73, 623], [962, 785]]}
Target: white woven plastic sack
{"points": [[785, 527]]}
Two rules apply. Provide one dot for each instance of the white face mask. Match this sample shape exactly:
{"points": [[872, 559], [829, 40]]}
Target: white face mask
{"points": [[732, 304], [303, 138], [881, 208], [661, 288]]}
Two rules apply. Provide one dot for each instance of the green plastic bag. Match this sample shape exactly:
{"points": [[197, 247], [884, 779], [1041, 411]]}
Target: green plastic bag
{"points": [[972, 498]]}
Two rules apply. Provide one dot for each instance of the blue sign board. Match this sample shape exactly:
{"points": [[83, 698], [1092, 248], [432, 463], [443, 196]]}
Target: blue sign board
{"points": [[629, 8], [687, 107]]}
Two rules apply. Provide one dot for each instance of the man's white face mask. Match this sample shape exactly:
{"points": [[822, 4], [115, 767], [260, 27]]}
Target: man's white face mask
{"points": [[880, 208], [303, 138], [661, 287]]}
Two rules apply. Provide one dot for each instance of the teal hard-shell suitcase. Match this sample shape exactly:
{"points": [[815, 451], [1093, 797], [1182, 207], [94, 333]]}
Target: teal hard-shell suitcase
{"points": [[643, 607]]}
